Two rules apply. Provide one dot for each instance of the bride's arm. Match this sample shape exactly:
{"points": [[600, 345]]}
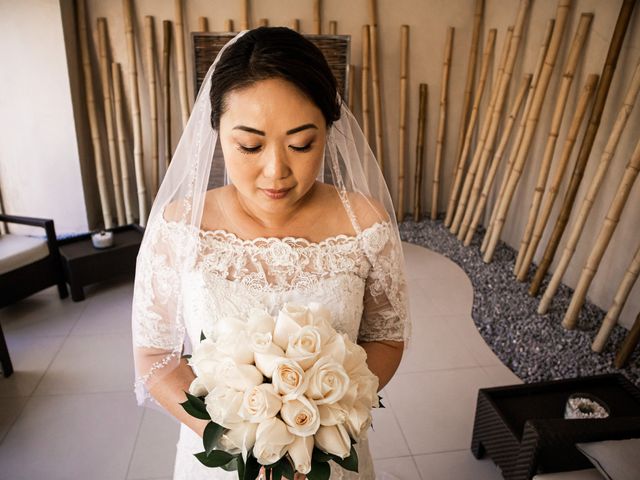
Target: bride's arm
{"points": [[383, 358], [169, 392]]}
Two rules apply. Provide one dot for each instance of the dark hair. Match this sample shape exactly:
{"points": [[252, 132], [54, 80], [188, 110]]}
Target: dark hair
{"points": [[274, 52]]}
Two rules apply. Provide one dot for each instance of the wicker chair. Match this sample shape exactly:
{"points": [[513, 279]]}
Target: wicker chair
{"points": [[27, 265]]}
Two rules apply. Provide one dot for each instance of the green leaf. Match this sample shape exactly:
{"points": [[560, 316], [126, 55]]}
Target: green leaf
{"points": [[212, 434], [351, 462], [232, 466], [202, 335], [241, 466], [275, 472], [320, 456], [195, 407], [380, 402], [186, 356], [319, 471], [251, 469], [287, 468], [217, 458]]}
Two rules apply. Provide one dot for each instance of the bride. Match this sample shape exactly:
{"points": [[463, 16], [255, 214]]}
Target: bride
{"points": [[272, 196]]}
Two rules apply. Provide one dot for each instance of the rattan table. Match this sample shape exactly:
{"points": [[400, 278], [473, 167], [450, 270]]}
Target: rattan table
{"points": [[522, 427]]}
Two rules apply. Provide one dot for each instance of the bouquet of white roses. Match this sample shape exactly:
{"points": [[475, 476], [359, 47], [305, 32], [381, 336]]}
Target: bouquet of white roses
{"points": [[287, 393]]}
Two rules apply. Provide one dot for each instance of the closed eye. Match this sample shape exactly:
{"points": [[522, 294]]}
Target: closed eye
{"points": [[305, 148], [244, 149]]}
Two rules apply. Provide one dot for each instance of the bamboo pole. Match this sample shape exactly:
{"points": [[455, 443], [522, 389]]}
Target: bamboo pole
{"points": [[203, 24], [575, 52], [518, 139], [592, 192], [149, 33], [228, 25], [402, 134], [485, 149], [366, 72], [484, 133], [181, 62], [629, 344], [105, 78], [375, 77], [608, 70], [351, 87], [295, 25], [477, 207], [135, 113], [462, 158], [620, 298], [317, 17], [609, 225], [422, 126], [166, 89], [244, 23], [101, 174], [466, 103], [333, 27], [442, 121], [263, 22], [532, 122], [122, 141], [563, 162]]}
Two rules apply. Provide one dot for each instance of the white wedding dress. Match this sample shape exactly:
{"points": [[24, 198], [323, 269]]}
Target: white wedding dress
{"points": [[357, 278]]}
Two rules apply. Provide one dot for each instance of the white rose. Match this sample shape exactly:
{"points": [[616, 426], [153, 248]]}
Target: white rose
{"points": [[204, 362], [290, 319], [332, 414], [301, 416], [260, 321], [355, 358], [358, 419], [289, 379], [260, 403], [239, 377], [304, 346], [367, 384], [236, 346], [272, 441], [334, 440], [229, 326], [223, 405], [198, 388], [300, 452], [328, 381], [336, 348], [239, 439], [265, 352]]}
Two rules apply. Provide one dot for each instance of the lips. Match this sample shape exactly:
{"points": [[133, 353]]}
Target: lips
{"points": [[275, 194]]}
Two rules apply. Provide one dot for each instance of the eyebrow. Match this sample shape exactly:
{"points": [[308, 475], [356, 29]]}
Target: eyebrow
{"points": [[289, 132]]}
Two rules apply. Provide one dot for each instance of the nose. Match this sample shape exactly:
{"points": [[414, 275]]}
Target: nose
{"points": [[276, 166]]}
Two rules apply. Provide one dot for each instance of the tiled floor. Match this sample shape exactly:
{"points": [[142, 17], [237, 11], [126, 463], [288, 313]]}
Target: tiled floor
{"points": [[68, 412]]}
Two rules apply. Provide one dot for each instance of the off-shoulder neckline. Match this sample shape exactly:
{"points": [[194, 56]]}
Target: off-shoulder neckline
{"points": [[287, 240]]}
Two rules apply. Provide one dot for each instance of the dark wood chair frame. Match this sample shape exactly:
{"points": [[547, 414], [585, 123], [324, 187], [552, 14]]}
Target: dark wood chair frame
{"points": [[31, 278]]}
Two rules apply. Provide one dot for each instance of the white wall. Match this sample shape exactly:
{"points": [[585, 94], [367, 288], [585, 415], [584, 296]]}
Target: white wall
{"points": [[39, 167]]}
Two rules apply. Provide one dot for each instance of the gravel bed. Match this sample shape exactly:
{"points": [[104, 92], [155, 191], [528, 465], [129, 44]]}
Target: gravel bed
{"points": [[535, 347]]}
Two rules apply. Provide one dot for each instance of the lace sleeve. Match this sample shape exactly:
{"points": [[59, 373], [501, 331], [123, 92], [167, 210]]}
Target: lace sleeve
{"points": [[385, 314], [158, 332]]}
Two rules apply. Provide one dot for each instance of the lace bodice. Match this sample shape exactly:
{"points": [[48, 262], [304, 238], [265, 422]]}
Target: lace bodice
{"points": [[349, 275]]}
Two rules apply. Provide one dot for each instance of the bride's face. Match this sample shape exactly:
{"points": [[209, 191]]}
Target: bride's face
{"points": [[273, 138]]}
